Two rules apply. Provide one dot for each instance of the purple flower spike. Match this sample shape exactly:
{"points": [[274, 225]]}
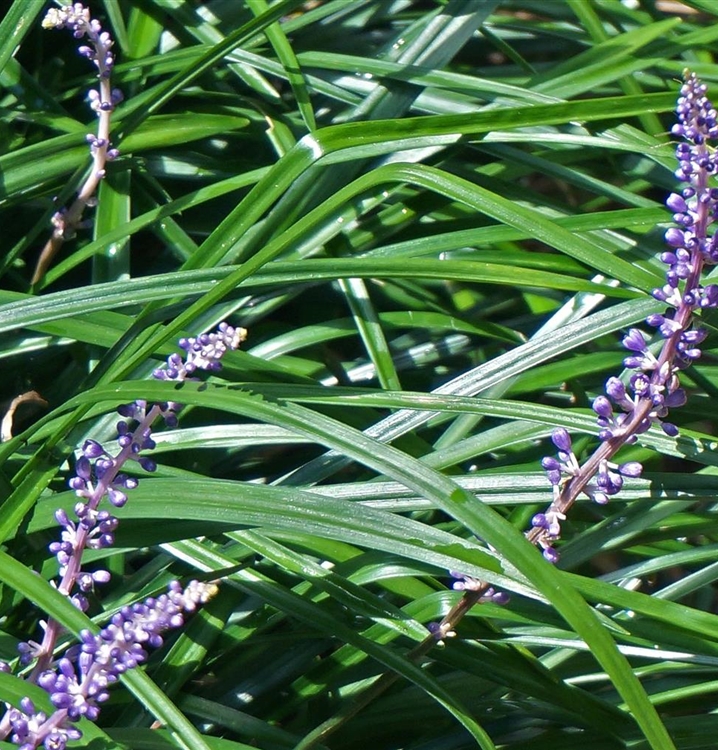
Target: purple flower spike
{"points": [[98, 50], [204, 353], [642, 399], [77, 683], [631, 406]]}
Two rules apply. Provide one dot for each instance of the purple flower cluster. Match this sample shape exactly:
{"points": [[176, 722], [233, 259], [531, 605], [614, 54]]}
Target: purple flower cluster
{"points": [[103, 101], [653, 388], [202, 353], [467, 583], [605, 482], [77, 18], [98, 473], [78, 682]]}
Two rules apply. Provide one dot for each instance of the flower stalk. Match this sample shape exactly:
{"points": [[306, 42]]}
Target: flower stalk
{"points": [[103, 101], [627, 410], [654, 385], [77, 683]]}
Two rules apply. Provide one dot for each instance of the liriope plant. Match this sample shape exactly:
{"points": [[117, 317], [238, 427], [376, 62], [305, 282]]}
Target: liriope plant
{"points": [[631, 404]]}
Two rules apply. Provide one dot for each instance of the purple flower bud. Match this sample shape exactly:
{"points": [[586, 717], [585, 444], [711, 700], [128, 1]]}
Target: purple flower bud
{"points": [[696, 336], [101, 576], [554, 477], [631, 469], [655, 320], [676, 399], [561, 439], [676, 203], [116, 497], [602, 406], [83, 467], [635, 341], [128, 410], [147, 464], [551, 555], [616, 390]]}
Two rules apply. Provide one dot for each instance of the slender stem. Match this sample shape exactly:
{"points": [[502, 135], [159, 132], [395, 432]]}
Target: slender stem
{"points": [[66, 221], [69, 578]]}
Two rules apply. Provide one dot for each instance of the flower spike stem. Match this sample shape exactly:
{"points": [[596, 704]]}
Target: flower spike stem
{"points": [[78, 682], [103, 101], [652, 389]]}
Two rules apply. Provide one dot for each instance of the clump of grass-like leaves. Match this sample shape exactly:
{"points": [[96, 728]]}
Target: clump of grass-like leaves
{"points": [[437, 221]]}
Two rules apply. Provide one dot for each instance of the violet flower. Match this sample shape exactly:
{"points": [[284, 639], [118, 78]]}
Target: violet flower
{"points": [[629, 409], [103, 101], [78, 682], [653, 389]]}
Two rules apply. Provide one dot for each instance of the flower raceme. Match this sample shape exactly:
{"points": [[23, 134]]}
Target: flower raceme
{"points": [[103, 100], [78, 682], [99, 474], [653, 388]]}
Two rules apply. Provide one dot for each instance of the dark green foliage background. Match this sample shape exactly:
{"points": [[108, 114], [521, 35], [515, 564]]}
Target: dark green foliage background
{"points": [[436, 220]]}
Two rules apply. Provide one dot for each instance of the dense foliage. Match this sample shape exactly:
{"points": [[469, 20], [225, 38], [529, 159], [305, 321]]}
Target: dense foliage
{"points": [[437, 220]]}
